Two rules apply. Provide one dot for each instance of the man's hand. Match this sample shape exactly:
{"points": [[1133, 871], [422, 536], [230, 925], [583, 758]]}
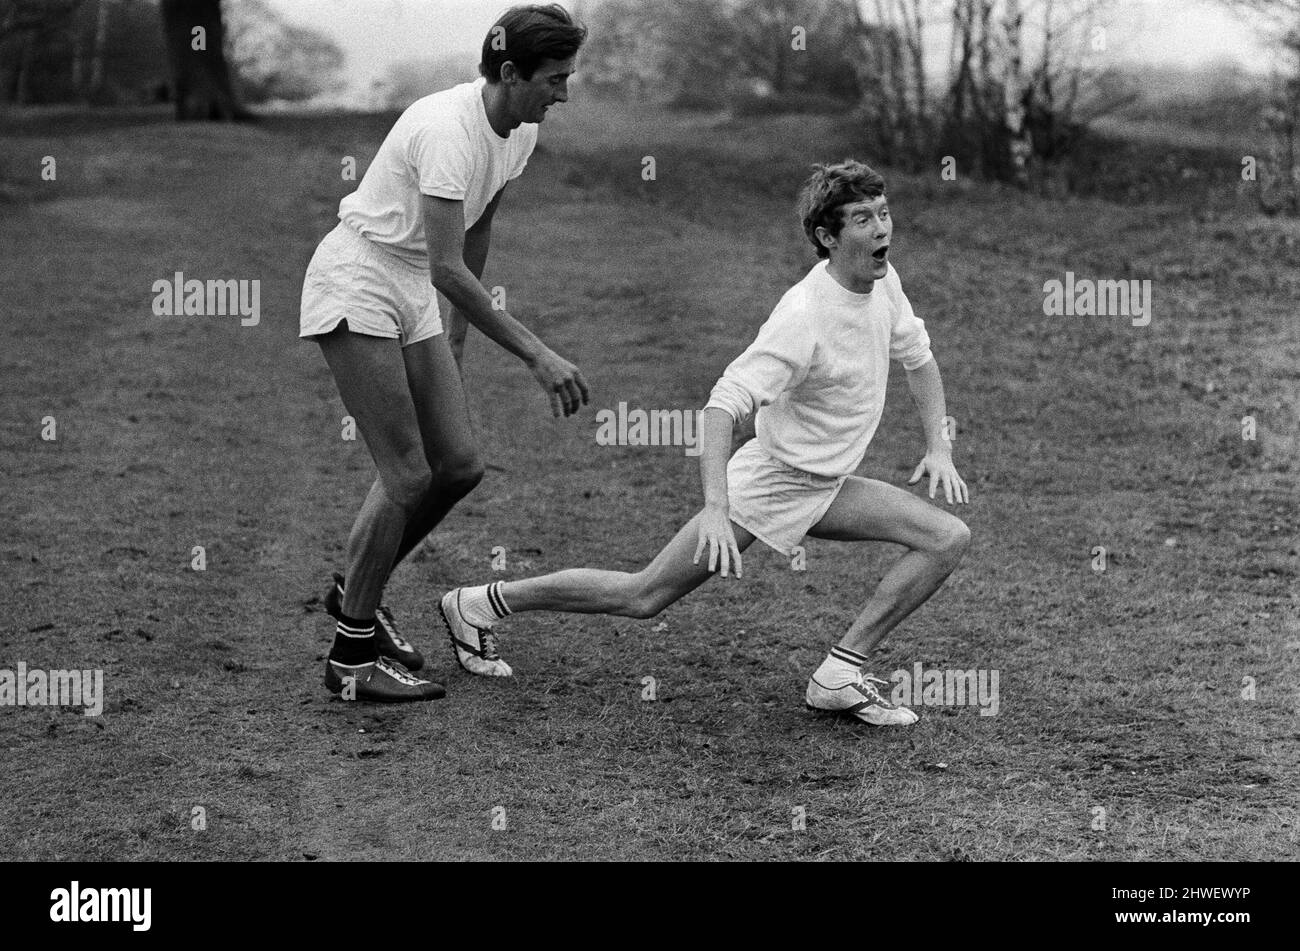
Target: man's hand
{"points": [[716, 533], [938, 462], [562, 381]]}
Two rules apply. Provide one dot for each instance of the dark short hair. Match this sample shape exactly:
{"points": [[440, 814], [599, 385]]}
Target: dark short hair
{"points": [[531, 34], [830, 188]]}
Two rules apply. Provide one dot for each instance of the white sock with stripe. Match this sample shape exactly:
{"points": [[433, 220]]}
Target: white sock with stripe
{"points": [[483, 605], [841, 666]]}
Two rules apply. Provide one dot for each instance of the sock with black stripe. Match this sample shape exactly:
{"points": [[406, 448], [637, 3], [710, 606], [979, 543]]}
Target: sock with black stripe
{"points": [[354, 642], [483, 604], [840, 668]]}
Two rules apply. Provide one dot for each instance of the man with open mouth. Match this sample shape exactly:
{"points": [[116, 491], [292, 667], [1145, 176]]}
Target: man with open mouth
{"points": [[816, 379]]}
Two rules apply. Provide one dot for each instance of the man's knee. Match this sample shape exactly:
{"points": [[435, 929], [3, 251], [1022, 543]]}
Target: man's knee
{"points": [[407, 483], [953, 540], [644, 607], [459, 475], [644, 598]]}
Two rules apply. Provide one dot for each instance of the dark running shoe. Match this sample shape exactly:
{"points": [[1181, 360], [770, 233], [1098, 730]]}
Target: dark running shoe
{"points": [[380, 682], [391, 644]]}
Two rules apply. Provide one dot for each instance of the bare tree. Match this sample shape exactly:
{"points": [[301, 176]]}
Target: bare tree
{"points": [[717, 52], [1013, 98], [1279, 174], [275, 59], [891, 75], [1018, 90]]}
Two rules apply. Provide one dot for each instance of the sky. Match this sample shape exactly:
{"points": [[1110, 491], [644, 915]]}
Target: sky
{"points": [[377, 33], [1191, 33]]}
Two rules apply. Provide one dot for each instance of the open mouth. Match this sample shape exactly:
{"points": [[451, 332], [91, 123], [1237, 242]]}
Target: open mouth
{"points": [[880, 254]]}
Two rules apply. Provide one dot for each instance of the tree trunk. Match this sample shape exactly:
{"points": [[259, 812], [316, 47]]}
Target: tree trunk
{"points": [[1015, 96], [78, 69], [24, 64], [101, 38], [961, 79], [1280, 177], [987, 82], [915, 37], [200, 77]]}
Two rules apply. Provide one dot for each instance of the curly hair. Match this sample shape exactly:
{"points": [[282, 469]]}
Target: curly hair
{"points": [[526, 35], [830, 188]]}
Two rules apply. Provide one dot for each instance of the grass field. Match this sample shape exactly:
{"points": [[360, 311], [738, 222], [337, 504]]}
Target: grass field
{"points": [[1120, 690]]}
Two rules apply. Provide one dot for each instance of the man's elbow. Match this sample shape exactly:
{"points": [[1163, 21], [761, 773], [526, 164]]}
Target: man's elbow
{"points": [[444, 271], [927, 364]]}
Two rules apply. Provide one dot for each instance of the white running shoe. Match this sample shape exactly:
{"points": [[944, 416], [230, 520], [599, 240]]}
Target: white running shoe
{"points": [[475, 647], [860, 699]]}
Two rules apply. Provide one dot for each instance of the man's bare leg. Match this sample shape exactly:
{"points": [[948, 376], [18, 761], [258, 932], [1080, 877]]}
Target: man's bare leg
{"points": [[454, 464], [869, 510], [371, 378], [470, 613], [643, 594]]}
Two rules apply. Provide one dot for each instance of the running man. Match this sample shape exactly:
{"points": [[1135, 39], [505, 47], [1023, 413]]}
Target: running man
{"points": [[420, 222], [816, 376]]}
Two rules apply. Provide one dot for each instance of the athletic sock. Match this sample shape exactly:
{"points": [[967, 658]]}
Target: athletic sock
{"points": [[354, 642], [483, 605], [841, 667]]}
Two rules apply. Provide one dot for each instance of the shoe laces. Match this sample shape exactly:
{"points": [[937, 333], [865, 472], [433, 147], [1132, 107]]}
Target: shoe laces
{"points": [[400, 674], [487, 643], [385, 617], [866, 683]]}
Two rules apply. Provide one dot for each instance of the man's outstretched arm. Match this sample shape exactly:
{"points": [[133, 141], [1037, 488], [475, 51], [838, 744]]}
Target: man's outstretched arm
{"points": [[927, 392], [715, 527]]}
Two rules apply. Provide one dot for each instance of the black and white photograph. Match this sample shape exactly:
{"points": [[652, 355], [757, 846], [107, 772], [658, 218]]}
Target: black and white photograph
{"points": [[668, 431]]}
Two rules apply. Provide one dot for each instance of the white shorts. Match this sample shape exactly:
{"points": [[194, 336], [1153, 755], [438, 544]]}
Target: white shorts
{"points": [[776, 503], [380, 295]]}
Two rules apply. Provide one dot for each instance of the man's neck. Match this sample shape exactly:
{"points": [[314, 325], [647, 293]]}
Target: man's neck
{"points": [[847, 283], [494, 104]]}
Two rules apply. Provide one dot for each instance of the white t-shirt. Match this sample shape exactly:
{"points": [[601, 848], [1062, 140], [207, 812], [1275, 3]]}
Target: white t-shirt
{"points": [[817, 372], [442, 145]]}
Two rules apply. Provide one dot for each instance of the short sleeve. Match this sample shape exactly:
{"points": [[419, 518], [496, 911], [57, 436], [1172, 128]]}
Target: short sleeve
{"points": [[909, 343], [443, 160]]}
